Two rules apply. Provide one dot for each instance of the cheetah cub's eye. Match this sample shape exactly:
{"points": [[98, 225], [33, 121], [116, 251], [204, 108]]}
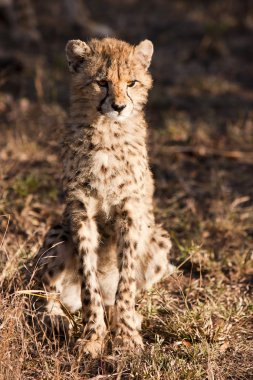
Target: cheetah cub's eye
{"points": [[132, 83], [102, 83]]}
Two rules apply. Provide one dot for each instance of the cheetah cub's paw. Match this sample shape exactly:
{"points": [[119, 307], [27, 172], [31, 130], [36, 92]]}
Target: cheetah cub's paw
{"points": [[127, 341], [91, 343], [92, 347]]}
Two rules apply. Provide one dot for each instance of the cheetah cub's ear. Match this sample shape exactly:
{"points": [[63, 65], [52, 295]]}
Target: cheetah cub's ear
{"points": [[76, 51], [143, 52]]}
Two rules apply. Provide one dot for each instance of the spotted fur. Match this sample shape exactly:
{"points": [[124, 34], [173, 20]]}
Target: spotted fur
{"points": [[108, 246]]}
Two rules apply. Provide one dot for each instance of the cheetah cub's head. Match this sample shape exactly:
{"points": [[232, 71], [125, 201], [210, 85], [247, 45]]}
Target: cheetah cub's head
{"points": [[110, 77]]}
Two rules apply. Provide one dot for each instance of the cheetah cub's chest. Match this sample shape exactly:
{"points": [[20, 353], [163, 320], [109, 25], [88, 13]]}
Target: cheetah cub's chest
{"points": [[107, 177], [114, 172]]}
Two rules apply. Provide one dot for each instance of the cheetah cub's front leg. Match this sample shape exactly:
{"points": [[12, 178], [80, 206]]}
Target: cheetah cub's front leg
{"points": [[127, 335], [85, 237]]}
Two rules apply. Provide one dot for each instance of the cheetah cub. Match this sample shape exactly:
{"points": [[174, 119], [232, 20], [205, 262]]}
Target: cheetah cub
{"points": [[108, 247]]}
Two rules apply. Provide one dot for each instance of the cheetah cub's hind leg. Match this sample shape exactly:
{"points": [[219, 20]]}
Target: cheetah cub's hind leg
{"points": [[56, 267], [155, 265]]}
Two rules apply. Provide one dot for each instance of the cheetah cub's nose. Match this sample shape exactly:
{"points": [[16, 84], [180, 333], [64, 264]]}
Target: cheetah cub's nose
{"points": [[118, 107]]}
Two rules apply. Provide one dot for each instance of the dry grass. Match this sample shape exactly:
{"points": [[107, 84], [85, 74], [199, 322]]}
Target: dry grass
{"points": [[198, 324]]}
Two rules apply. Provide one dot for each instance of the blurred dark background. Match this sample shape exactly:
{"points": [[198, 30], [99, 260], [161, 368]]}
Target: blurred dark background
{"points": [[200, 110], [202, 48], [198, 324]]}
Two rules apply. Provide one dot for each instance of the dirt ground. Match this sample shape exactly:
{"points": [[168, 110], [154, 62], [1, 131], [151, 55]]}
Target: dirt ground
{"points": [[198, 323]]}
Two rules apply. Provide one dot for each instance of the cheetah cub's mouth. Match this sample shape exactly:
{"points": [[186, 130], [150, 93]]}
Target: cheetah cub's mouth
{"points": [[115, 111], [110, 77]]}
